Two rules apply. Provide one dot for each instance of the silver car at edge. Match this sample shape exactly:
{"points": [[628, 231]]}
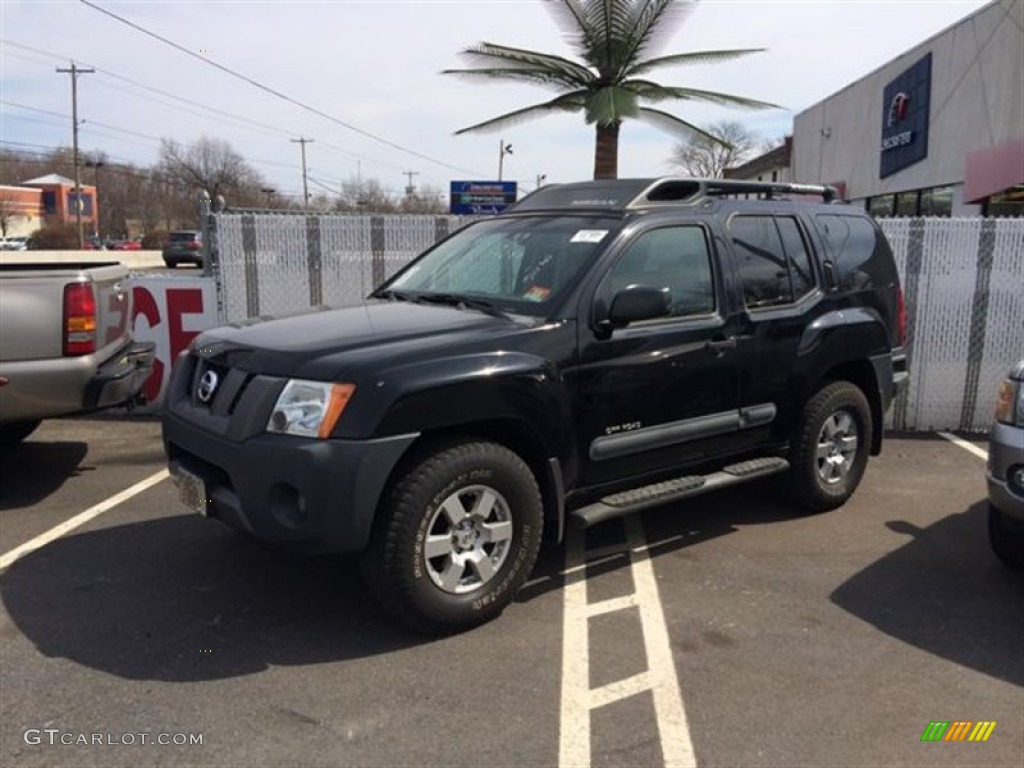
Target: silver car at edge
{"points": [[1005, 471]]}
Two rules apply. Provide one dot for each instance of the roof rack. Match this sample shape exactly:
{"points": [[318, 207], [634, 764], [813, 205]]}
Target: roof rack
{"points": [[691, 190], [642, 193]]}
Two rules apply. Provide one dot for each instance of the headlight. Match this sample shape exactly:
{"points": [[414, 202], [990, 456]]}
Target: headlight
{"points": [[1010, 402], [309, 408]]}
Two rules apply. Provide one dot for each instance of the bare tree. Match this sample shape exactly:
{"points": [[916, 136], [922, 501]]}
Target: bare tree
{"points": [[426, 199], [212, 164], [366, 195], [703, 158]]}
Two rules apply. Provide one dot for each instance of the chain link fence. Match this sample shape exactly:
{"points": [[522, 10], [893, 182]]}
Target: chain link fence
{"points": [[963, 280]]}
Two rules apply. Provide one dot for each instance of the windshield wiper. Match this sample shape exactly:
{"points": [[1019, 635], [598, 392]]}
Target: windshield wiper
{"points": [[391, 293], [457, 300]]}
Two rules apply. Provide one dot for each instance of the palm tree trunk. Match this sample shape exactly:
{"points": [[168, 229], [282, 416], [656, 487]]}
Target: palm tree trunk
{"points": [[606, 151]]}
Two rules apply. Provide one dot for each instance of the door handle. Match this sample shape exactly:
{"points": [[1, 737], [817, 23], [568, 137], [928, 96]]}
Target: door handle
{"points": [[720, 342]]}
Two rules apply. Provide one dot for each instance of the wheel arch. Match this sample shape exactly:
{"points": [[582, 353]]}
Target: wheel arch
{"points": [[862, 374], [520, 437]]}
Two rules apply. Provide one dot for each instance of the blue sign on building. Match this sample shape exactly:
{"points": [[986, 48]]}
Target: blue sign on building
{"points": [[469, 198], [905, 105]]}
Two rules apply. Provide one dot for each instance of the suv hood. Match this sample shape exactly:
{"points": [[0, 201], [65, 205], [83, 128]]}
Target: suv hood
{"points": [[319, 344]]}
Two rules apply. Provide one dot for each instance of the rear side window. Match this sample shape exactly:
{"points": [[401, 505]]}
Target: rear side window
{"points": [[183, 237], [850, 242], [772, 260]]}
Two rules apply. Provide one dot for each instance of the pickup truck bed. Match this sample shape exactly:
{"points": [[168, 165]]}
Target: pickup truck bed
{"points": [[65, 342]]}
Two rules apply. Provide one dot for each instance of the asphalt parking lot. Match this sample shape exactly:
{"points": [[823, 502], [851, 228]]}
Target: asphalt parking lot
{"points": [[728, 632]]}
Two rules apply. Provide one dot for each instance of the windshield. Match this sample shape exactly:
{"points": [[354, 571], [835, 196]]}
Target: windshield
{"points": [[522, 264]]}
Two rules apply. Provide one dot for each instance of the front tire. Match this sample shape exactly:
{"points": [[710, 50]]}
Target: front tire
{"points": [[456, 538], [1008, 544], [830, 447]]}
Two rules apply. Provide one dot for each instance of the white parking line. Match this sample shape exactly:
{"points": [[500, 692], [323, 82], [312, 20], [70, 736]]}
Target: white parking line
{"points": [[969, 447], [80, 519], [578, 698]]}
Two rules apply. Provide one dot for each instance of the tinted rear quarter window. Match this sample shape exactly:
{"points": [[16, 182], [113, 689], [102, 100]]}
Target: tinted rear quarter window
{"points": [[851, 243]]}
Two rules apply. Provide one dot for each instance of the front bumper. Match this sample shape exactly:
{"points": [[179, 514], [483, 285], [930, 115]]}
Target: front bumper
{"points": [[1005, 455], [314, 495]]}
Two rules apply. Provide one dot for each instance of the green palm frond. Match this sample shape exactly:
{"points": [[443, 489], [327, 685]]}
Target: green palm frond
{"points": [[653, 23], [695, 57], [611, 104], [675, 125], [651, 91], [534, 76], [490, 54], [568, 102]]}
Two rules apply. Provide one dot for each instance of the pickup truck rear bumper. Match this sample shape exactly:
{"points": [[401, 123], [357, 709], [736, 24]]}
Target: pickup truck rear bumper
{"points": [[41, 389], [311, 495], [120, 379]]}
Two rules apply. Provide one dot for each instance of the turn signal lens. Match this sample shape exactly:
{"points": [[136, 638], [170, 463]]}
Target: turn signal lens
{"points": [[1005, 401], [79, 319]]}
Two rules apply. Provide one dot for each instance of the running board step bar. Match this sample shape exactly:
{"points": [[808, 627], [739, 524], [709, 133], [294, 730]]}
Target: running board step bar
{"points": [[636, 499]]}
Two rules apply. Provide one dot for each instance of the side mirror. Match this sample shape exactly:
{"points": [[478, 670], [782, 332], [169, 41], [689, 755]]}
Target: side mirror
{"points": [[639, 303]]}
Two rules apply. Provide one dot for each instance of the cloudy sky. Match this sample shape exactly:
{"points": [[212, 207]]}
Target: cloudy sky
{"points": [[374, 65]]}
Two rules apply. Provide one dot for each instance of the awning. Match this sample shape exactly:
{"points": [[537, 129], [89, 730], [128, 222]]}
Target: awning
{"points": [[993, 170]]}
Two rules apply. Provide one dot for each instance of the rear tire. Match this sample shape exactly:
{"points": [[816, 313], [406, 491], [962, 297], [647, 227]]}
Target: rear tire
{"points": [[455, 538], [15, 432], [830, 447], [171, 264], [1007, 543]]}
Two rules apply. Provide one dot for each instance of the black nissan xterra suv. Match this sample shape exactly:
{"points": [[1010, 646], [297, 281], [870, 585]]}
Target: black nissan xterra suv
{"points": [[598, 349]]}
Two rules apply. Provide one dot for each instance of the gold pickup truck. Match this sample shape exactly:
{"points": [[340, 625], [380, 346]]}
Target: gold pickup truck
{"points": [[65, 343]]}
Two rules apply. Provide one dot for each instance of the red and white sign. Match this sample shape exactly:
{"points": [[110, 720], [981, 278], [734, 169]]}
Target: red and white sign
{"points": [[170, 312]]}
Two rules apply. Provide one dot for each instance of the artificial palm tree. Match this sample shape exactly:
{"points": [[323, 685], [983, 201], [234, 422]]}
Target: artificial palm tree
{"points": [[613, 39]]}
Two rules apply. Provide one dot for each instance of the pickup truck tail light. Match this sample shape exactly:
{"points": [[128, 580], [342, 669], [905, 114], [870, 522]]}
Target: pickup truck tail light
{"points": [[79, 319], [901, 319], [193, 245]]}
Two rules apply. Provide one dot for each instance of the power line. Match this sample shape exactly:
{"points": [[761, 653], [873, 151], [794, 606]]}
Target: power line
{"points": [[274, 92], [239, 120]]}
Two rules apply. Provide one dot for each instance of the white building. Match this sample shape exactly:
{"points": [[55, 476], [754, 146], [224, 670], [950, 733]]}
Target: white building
{"points": [[937, 131]]}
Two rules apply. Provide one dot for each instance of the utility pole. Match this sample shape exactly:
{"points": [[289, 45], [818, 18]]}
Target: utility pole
{"points": [[305, 189], [75, 72], [503, 149], [410, 189]]}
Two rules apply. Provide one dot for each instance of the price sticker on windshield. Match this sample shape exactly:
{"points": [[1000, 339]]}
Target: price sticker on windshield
{"points": [[589, 236]]}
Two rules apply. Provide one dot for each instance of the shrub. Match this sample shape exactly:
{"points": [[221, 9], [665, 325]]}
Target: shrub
{"points": [[55, 237]]}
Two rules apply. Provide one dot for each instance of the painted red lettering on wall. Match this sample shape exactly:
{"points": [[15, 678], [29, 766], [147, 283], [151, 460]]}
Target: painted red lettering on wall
{"points": [[144, 304]]}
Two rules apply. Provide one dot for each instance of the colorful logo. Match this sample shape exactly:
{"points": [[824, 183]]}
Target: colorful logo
{"points": [[898, 108], [958, 730]]}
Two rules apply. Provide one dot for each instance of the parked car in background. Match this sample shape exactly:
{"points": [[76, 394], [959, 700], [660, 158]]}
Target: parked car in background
{"points": [[127, 245], [1005, 471], [65, 343], [14, 244], [183, 246]]}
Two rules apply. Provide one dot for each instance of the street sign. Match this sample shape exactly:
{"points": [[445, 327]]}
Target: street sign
{"points": [[469, 198]]}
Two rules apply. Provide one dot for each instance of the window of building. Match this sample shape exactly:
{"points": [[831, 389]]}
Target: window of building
{"points": [[772, 260], [1010, 203], [882, 205], [937, 201], [907, 203]]}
